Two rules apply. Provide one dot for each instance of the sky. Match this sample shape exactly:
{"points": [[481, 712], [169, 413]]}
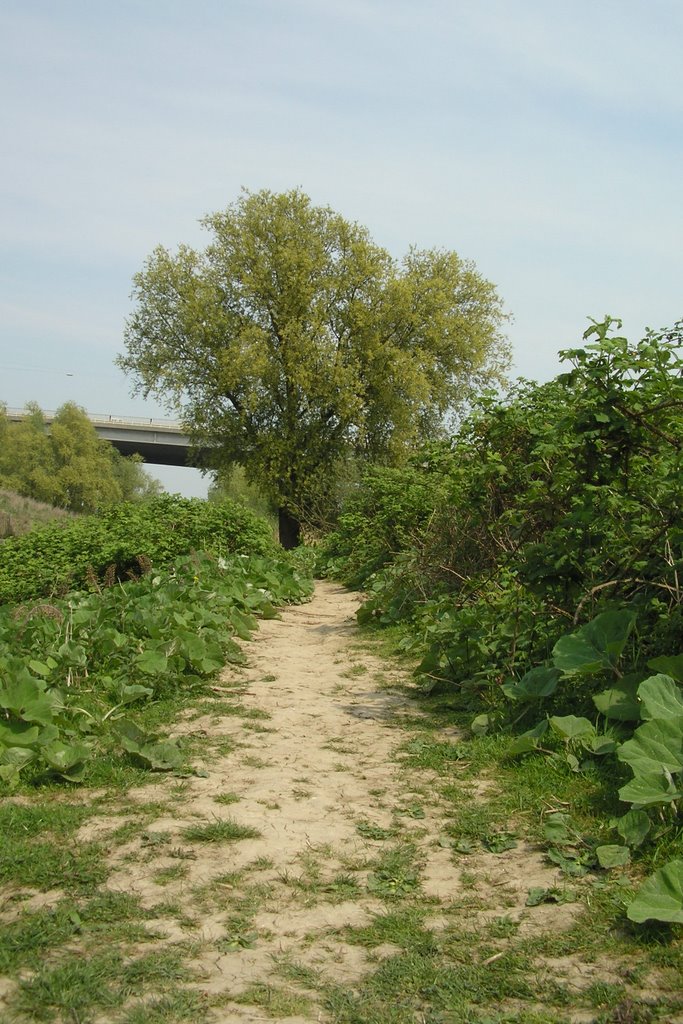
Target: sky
{"points": [[542, 140]]}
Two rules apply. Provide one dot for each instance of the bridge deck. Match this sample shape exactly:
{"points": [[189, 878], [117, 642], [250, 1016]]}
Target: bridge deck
{"points": [[159, 442]]}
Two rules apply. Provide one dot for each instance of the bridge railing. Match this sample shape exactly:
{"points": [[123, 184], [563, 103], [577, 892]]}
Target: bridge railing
{"points": [[104, 419]]}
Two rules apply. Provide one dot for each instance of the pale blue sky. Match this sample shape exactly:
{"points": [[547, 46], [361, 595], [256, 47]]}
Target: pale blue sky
{"points": [[543, 139]]}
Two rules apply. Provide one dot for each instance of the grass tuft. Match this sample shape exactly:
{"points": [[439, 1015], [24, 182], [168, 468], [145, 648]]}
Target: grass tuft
{"points": [[220, 831]]}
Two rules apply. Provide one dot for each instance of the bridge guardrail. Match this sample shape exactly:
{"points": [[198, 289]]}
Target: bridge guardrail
{"points": [[104, 419]]}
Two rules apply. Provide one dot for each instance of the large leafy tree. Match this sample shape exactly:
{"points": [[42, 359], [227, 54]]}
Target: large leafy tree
{"points": [[292, 342]]}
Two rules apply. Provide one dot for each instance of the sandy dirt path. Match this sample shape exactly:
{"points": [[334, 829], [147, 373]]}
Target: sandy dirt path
{"points": [[309, 762]]}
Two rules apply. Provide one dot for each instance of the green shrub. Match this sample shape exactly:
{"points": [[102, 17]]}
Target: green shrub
{"points": [[544, 509], [382, 518], [123, 539], [76, 672]]}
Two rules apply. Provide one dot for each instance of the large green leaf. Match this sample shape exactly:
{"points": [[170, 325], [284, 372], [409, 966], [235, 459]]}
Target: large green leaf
{"points": [[66, 759], [17, 756], [655, 746], [481, 724], [633, 827], [132, 737], [649, 789], [39, 668], [671, 665], [660, 897], [620, 701], [18, 734], [612, 856], [242, 623], [27, 699], [556, 828], [130, 692], [569, 727], [163, 755], [536, 684], [595, 646], [151, 662], [73, 654], [660, 697], [600, 745], [204, 657], [11, 763], [528, 740]]}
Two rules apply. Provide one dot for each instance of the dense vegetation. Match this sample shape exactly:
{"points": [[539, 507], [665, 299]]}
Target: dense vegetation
{"points": [[123, 540], [66, 464], [535, 564], [72, 669]]}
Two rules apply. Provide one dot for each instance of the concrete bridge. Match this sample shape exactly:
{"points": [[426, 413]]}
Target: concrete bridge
{"points": [[160, 442]]}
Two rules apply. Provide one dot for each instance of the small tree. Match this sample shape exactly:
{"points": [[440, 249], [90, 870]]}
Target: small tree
{"points": [[65, 463], [27, 463], [293, 341]]}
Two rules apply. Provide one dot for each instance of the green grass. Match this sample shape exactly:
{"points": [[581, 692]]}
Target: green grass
{"points": [[219, 831], [464, 973], [75, 987], [171, 1008], [275, 1001], [30, 820], [114, 771], [226, 798], [225, 706], [174, 873], [355, 671], [424, 752], [261, 864], [93, 954], [341, 887], [252, 761], [106, 916], [37, 864], [419, 979], [394, 874], [300, 974], [403, 928], [376, 832]]}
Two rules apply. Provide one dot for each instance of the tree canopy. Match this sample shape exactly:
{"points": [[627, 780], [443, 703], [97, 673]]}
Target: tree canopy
{"points": [[293, 341], [66, 464]]}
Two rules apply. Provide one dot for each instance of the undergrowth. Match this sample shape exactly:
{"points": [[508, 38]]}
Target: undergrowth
{"points": [[533, 563]]}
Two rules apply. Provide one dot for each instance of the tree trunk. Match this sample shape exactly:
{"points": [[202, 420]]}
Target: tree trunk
{"points": [[289, 529]]}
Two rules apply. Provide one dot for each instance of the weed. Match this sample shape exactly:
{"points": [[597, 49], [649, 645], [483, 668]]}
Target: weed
{"points": [[359, 669], [173, 1007], [370, 831], [297, 972], [170, 874], [251, 761], [341, 887], [219, 831], [39, 864], [403, 928], [262, 864], [226, 798], [275, 1001]]}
